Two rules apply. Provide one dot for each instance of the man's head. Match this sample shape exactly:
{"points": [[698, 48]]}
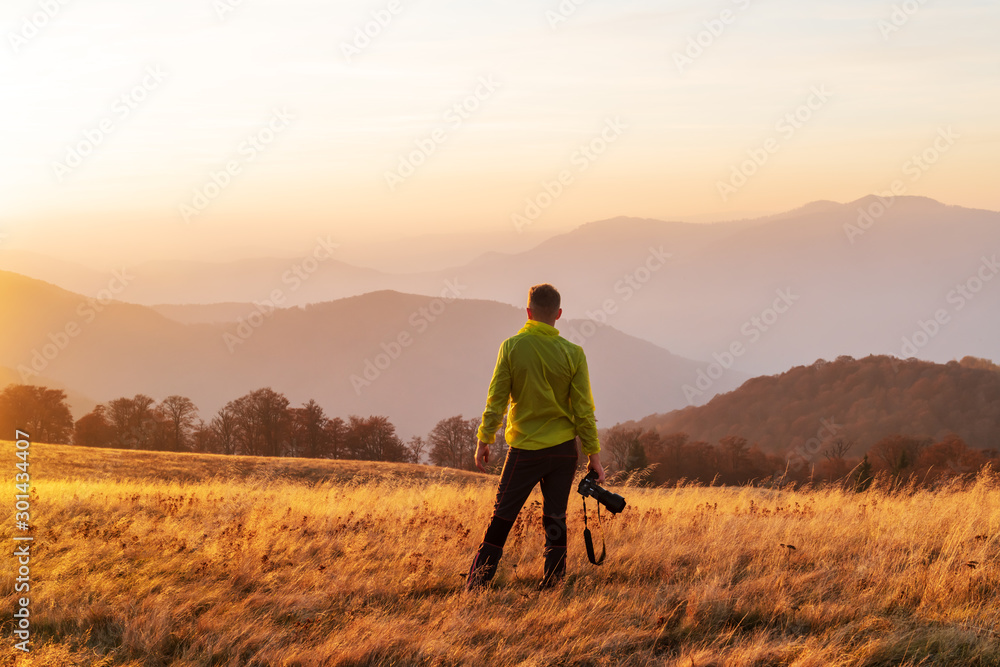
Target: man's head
{"points": [[543, 303]]}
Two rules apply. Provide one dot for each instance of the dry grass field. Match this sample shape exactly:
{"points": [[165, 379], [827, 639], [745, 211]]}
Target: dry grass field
{"points": [[149, 559]]}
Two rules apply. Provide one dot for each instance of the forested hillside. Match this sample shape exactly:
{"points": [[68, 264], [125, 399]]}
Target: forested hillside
{"points": [[859, 400]]}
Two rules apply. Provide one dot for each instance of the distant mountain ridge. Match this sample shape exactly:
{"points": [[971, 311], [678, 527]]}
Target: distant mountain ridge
{"points": [[114, 349], [867, 273]]}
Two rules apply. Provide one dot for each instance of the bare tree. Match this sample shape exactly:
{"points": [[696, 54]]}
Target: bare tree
{"points": [[416, 447], [621, 443], [837, 449], [453, 443], [179, 413], [736, 448], [262, 420], [134, 422], [224, 429]]}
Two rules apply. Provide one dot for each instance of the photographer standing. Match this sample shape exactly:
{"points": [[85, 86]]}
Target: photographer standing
{"points": [[544, 378]]}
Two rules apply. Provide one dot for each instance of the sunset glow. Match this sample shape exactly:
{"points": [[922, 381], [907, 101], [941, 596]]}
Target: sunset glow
{"points": [[276, 121]]}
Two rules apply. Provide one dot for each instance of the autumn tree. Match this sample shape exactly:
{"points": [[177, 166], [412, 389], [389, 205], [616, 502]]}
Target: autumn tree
{"points": [[39, 411], [202, 437], [93, 429], [949, 457], [134, 422], [735, 448], [452, 443], [336, 438], [374, 439], [262, 422], [310, 435], [669, 453]]}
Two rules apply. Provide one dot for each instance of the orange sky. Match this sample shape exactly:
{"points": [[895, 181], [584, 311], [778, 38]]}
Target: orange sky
{"points": [[194, 128]]}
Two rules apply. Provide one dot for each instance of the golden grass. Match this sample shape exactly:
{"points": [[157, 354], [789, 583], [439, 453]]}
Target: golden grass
{"points": [[138, 562]]}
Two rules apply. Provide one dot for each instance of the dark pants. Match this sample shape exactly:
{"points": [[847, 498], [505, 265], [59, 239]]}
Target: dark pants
{"points": [[555, 468]]}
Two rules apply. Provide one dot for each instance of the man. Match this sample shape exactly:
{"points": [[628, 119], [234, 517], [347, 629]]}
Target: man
{"points": [[544, 378]]}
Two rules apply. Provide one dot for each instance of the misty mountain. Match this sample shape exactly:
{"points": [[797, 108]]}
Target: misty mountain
{"points": [[859, 400], [314, 277], [412, 358], [204, 313], [849, 287], [906, 276]]}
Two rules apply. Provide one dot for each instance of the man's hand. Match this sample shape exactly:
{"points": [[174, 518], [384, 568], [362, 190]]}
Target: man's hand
{"points": [[595, 465], [482, 455]]}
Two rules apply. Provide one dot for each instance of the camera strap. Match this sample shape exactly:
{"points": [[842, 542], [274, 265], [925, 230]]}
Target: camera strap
{"points": [[588, 539]]}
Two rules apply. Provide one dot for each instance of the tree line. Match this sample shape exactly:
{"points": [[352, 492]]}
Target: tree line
{"points": [[264, 423], [260, 423], [666, 459]]}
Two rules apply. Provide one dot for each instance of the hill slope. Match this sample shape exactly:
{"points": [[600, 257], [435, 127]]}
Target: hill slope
{"points": [[867, 399]]}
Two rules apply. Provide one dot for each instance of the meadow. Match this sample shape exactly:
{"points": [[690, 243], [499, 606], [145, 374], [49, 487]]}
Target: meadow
{"points": [[146, 559]]}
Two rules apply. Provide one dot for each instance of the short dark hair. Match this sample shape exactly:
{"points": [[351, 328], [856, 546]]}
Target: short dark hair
{"points": [[544, 300]]}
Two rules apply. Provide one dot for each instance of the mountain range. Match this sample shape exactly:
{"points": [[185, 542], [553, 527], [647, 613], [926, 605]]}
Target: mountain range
{"points": [[412, 358], [906, 276]]}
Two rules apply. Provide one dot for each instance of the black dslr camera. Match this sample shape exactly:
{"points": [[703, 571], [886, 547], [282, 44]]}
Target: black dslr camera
{"points": [[588, 487]]}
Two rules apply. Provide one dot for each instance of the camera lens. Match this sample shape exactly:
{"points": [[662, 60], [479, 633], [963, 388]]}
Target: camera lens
{"points": [[612, 501]]}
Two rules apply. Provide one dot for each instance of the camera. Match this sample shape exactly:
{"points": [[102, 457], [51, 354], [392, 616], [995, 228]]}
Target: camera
{"points": [[588, 487]]}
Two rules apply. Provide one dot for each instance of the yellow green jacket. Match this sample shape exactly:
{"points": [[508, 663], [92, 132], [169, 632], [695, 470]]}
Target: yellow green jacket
{"points": [[544, 377]]}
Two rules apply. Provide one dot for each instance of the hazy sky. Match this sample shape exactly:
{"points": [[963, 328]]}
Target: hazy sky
{"points": [[116, 114]]}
